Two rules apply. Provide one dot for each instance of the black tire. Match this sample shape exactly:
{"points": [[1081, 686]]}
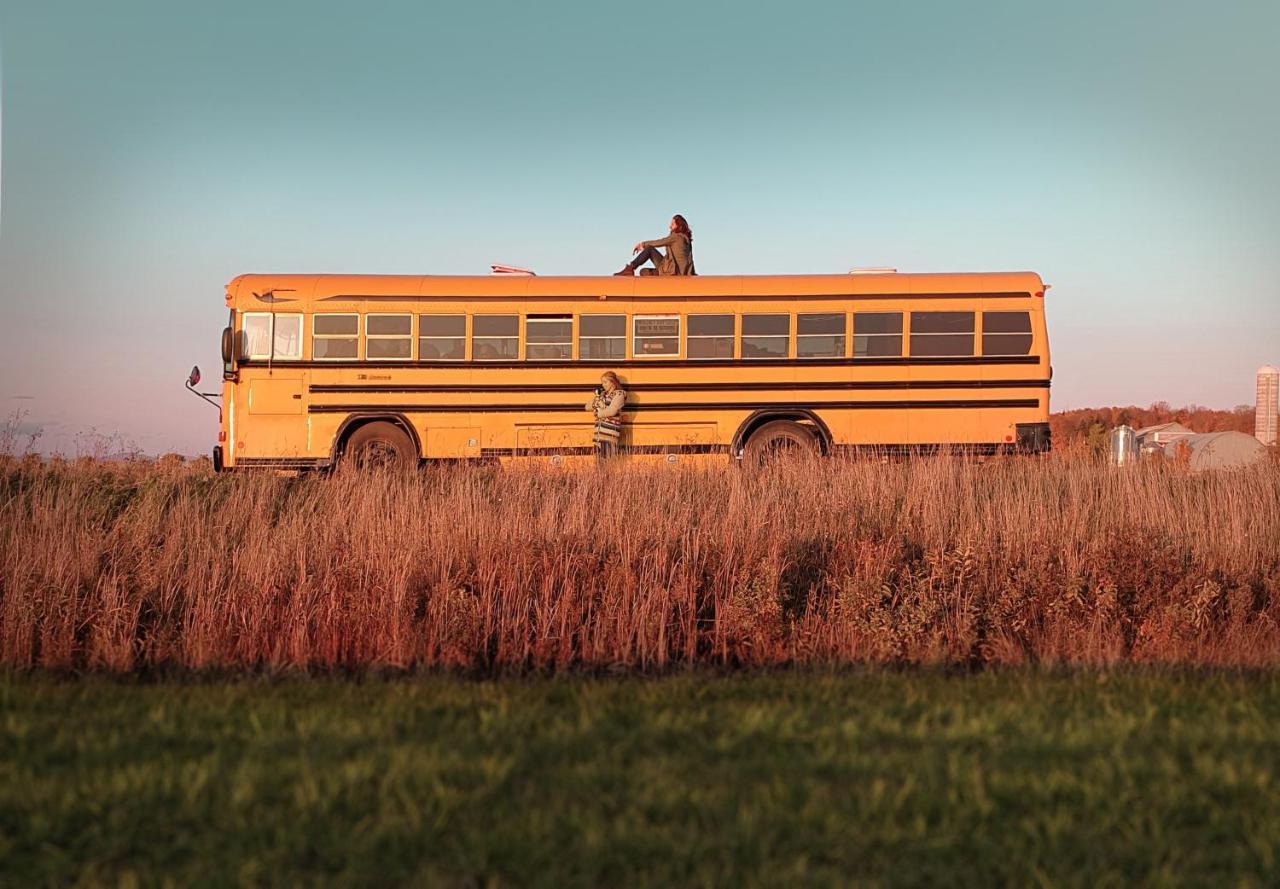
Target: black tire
{"points": [[379, 445], [779, 439]]}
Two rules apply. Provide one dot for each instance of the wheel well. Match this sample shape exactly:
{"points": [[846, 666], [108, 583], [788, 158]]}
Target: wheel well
{"points": [[803, 416], [355, 421]]}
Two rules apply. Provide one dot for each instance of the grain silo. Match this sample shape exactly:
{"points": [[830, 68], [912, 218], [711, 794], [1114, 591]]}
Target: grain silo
{"points": [[1267, 405]]}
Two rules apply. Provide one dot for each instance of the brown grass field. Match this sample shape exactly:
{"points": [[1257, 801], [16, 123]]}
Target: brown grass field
{"points": [[1062, 560]]}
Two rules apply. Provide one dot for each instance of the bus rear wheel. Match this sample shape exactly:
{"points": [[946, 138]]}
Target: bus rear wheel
{"points": [[379, 445], [779, 439]]}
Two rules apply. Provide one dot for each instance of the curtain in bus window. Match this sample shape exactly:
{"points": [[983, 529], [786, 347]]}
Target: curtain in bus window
{"points": [[288, 339], [1006, 333], [941, 333], [256, 336]]}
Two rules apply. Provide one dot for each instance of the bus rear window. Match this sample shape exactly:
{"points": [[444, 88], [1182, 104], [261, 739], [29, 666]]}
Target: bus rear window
{"points": [[1006, 333], [941, 333]]}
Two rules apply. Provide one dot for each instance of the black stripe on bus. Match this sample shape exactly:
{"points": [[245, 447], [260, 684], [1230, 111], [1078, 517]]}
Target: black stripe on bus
{"points": [[658, 297], [672, 406], [606, 364], [380, 388]]}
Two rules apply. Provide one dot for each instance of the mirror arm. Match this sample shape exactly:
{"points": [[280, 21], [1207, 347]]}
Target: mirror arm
{"points": [[207, 396]]}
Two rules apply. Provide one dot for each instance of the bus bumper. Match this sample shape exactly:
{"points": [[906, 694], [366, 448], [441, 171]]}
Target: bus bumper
{"points": [[1034, 438], [217, 458]]}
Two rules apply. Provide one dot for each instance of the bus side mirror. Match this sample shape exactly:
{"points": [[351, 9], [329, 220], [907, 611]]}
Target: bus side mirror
{"points": [[194, 379], [228, 346]]}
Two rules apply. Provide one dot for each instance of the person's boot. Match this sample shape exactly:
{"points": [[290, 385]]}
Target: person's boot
{"points": [[627, 271]]}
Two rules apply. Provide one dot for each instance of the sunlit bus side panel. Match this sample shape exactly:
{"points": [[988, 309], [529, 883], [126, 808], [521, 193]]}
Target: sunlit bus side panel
{"points": [[483, 367]]}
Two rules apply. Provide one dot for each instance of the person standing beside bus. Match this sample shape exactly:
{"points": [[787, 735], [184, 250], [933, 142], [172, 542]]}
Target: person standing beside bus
{"points": [[678, 260], [607, 406]]}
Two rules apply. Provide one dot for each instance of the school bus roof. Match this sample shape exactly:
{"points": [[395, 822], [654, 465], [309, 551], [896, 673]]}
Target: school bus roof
{"points": [[255, 290]]}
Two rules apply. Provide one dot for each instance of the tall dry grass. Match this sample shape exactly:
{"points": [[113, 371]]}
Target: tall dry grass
{"points": [[1058, 560]]}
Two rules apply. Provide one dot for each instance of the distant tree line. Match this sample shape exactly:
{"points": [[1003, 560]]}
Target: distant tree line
{"points": [[1090, 427]]}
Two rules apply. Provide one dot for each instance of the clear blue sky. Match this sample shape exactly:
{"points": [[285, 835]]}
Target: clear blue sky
{"points": [[1129, 152]]}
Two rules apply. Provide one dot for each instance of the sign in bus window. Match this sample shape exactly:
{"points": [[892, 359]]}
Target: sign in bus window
{"points": [[495, 337], [548, 337], [820, 335], [442, 337], [602, 337], [656, 335], [941, 333], [766, 336], [709, 336], [262, 329], [877, 334], [1006, 333], [388, 337], [335, 337]]}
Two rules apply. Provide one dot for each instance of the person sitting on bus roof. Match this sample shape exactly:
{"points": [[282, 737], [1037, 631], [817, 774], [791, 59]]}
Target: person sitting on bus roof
{"points": [[607, 405], [678, 260]]}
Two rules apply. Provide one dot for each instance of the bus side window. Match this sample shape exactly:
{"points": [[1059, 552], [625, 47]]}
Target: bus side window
{"points": [[942, 333], [388, 337], [288, 338], [820, 335], [256, 335], [268, 335], [548, 337], [656, 335], [602, 337], [442, 337], [335, 337], [877, 334], [495, 337], [766, 336], [709, 336], [1006, 333]]}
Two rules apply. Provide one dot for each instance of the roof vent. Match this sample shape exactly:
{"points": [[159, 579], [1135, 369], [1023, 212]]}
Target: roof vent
{"points": [[509, 270], [880, 270]]}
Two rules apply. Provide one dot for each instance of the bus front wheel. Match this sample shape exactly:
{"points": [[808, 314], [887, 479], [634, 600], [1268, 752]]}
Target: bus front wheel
{"points": [[379, 446], [779, 438]]}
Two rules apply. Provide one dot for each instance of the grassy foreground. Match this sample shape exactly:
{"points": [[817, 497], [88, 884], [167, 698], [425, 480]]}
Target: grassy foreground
{"points": [[878, 777], [1057, 561]]}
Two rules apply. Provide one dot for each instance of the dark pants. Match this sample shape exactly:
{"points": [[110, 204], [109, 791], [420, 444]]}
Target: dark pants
{"points": [[646, 255]]}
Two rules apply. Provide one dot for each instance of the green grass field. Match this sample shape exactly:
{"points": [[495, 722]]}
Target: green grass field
{"points": [[875, 777]]}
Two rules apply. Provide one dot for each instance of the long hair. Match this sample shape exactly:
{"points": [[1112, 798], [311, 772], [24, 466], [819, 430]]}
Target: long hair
{"points": [[612, 378], [682, 227]]}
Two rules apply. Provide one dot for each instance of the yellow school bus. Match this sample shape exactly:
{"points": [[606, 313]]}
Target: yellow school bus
{"points": [[321, 369]]}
